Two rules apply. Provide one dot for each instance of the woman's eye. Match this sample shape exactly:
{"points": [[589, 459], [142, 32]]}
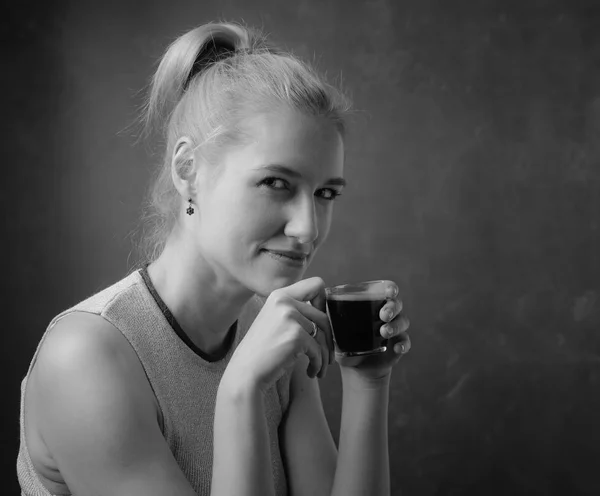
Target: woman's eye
{"points": [[278, 184], [274, 183], [329, 194]]}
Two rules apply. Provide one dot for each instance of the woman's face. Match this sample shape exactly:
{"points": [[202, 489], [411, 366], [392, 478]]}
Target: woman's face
{"points": [[269, 209]]}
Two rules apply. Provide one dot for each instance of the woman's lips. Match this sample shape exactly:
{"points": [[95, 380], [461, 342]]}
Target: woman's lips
{"points": [[296, 259]]}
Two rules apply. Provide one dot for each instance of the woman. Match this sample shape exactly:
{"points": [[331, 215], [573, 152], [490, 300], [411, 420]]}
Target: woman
{"points": [[194, 374]]}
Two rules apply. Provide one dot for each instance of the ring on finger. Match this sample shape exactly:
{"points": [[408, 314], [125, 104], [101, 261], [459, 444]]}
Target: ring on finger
{"points": [[315, 330]]}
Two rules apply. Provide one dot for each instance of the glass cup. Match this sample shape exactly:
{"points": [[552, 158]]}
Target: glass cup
{"points": [[353, 311]]}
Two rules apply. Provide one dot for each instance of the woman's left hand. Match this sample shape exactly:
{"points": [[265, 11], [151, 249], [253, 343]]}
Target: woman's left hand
{"points": [[379, 366]]}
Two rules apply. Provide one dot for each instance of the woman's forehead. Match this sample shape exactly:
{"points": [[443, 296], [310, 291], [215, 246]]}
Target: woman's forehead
{"points": [[289, 125], [294, 139]]}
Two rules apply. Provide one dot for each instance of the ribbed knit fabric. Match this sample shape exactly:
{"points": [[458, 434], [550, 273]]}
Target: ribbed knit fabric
{"points": [[184, 382]]}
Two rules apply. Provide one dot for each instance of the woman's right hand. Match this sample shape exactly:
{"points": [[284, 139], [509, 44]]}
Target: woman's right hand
{"points": [[281, 333]]}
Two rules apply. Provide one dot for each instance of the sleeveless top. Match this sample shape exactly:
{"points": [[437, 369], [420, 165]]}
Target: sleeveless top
{"points": [[183, 378]]}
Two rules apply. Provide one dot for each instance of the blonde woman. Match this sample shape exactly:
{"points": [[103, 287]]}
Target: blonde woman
{"points": [[196, 373]]}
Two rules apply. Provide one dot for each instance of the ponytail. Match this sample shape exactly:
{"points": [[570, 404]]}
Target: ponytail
{"points": [[186, 58]]}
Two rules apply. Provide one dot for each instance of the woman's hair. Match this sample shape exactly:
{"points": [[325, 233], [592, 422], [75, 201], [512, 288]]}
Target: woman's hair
{"points": [[208, 81]]}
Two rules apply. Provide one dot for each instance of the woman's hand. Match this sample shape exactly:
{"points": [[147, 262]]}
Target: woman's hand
{"points": [[281, 333], [379, 366]]}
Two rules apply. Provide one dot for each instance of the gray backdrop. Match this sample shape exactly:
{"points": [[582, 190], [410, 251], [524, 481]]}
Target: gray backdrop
{"points": [[474, 183]]}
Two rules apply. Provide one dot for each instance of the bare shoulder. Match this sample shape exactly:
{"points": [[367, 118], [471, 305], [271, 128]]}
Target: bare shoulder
{"points": [[85, 354], [78, 344], [91, 406], [78, 332], [82, 333]]}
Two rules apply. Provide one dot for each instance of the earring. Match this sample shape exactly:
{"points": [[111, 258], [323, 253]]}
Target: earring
{"points": [[190, 209]]}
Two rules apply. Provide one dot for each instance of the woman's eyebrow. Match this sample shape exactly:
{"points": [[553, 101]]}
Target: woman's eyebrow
{"points": [[282, 169], [336, 181]]}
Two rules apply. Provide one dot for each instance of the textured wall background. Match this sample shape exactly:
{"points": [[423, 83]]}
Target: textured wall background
{"points": [[474, 171]]}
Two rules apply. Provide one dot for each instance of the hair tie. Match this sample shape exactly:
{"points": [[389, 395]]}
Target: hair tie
{"points": [[212, 52]]}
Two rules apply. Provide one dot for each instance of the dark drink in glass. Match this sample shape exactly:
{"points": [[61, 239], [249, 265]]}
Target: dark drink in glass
{"points": [[353, 311]]}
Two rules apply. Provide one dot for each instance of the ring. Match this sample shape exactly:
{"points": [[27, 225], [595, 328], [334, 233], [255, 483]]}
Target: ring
{"points": [[315, 330]]}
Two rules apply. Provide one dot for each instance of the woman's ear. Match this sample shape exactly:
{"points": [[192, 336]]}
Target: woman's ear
{"points": [[184, 167]]}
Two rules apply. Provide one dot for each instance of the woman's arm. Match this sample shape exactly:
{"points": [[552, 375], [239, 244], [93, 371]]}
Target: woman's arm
{"points": [[307, 446], [313, 465], [242, 456], [96, 413], [277, 338], [363, 459]]}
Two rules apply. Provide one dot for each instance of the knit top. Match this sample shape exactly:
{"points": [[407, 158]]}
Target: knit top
{"points": [[183, 378]]}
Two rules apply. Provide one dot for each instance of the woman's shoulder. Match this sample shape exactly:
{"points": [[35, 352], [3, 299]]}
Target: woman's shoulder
{"points": [[84, 393], [84, 360], [82, 326], [79, 333], [81, 343]]}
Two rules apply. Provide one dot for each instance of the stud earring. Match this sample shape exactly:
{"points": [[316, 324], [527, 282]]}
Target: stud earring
{"points": [[190, 209]]}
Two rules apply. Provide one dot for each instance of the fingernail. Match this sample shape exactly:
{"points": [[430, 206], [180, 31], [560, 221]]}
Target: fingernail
{"points": [[402, 348]]}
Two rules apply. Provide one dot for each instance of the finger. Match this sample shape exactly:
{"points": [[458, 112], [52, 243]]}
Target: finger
{"points": [[310, 346], [328, 333], [391, 290], [314, 351], [311, 289], [322, 320], [390, 309], [320, 301], [313, 314], [403, 344], [396, 327], [321, 339]]}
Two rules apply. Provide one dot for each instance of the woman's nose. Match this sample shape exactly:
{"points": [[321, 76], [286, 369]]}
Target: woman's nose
{"points": [[302, 221]]}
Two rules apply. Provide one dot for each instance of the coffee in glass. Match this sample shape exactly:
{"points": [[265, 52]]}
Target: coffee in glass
{"points": [[353, 311]]}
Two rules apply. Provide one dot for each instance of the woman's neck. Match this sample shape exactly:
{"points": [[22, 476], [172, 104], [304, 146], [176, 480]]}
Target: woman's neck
{"points": [[204, 303]]}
